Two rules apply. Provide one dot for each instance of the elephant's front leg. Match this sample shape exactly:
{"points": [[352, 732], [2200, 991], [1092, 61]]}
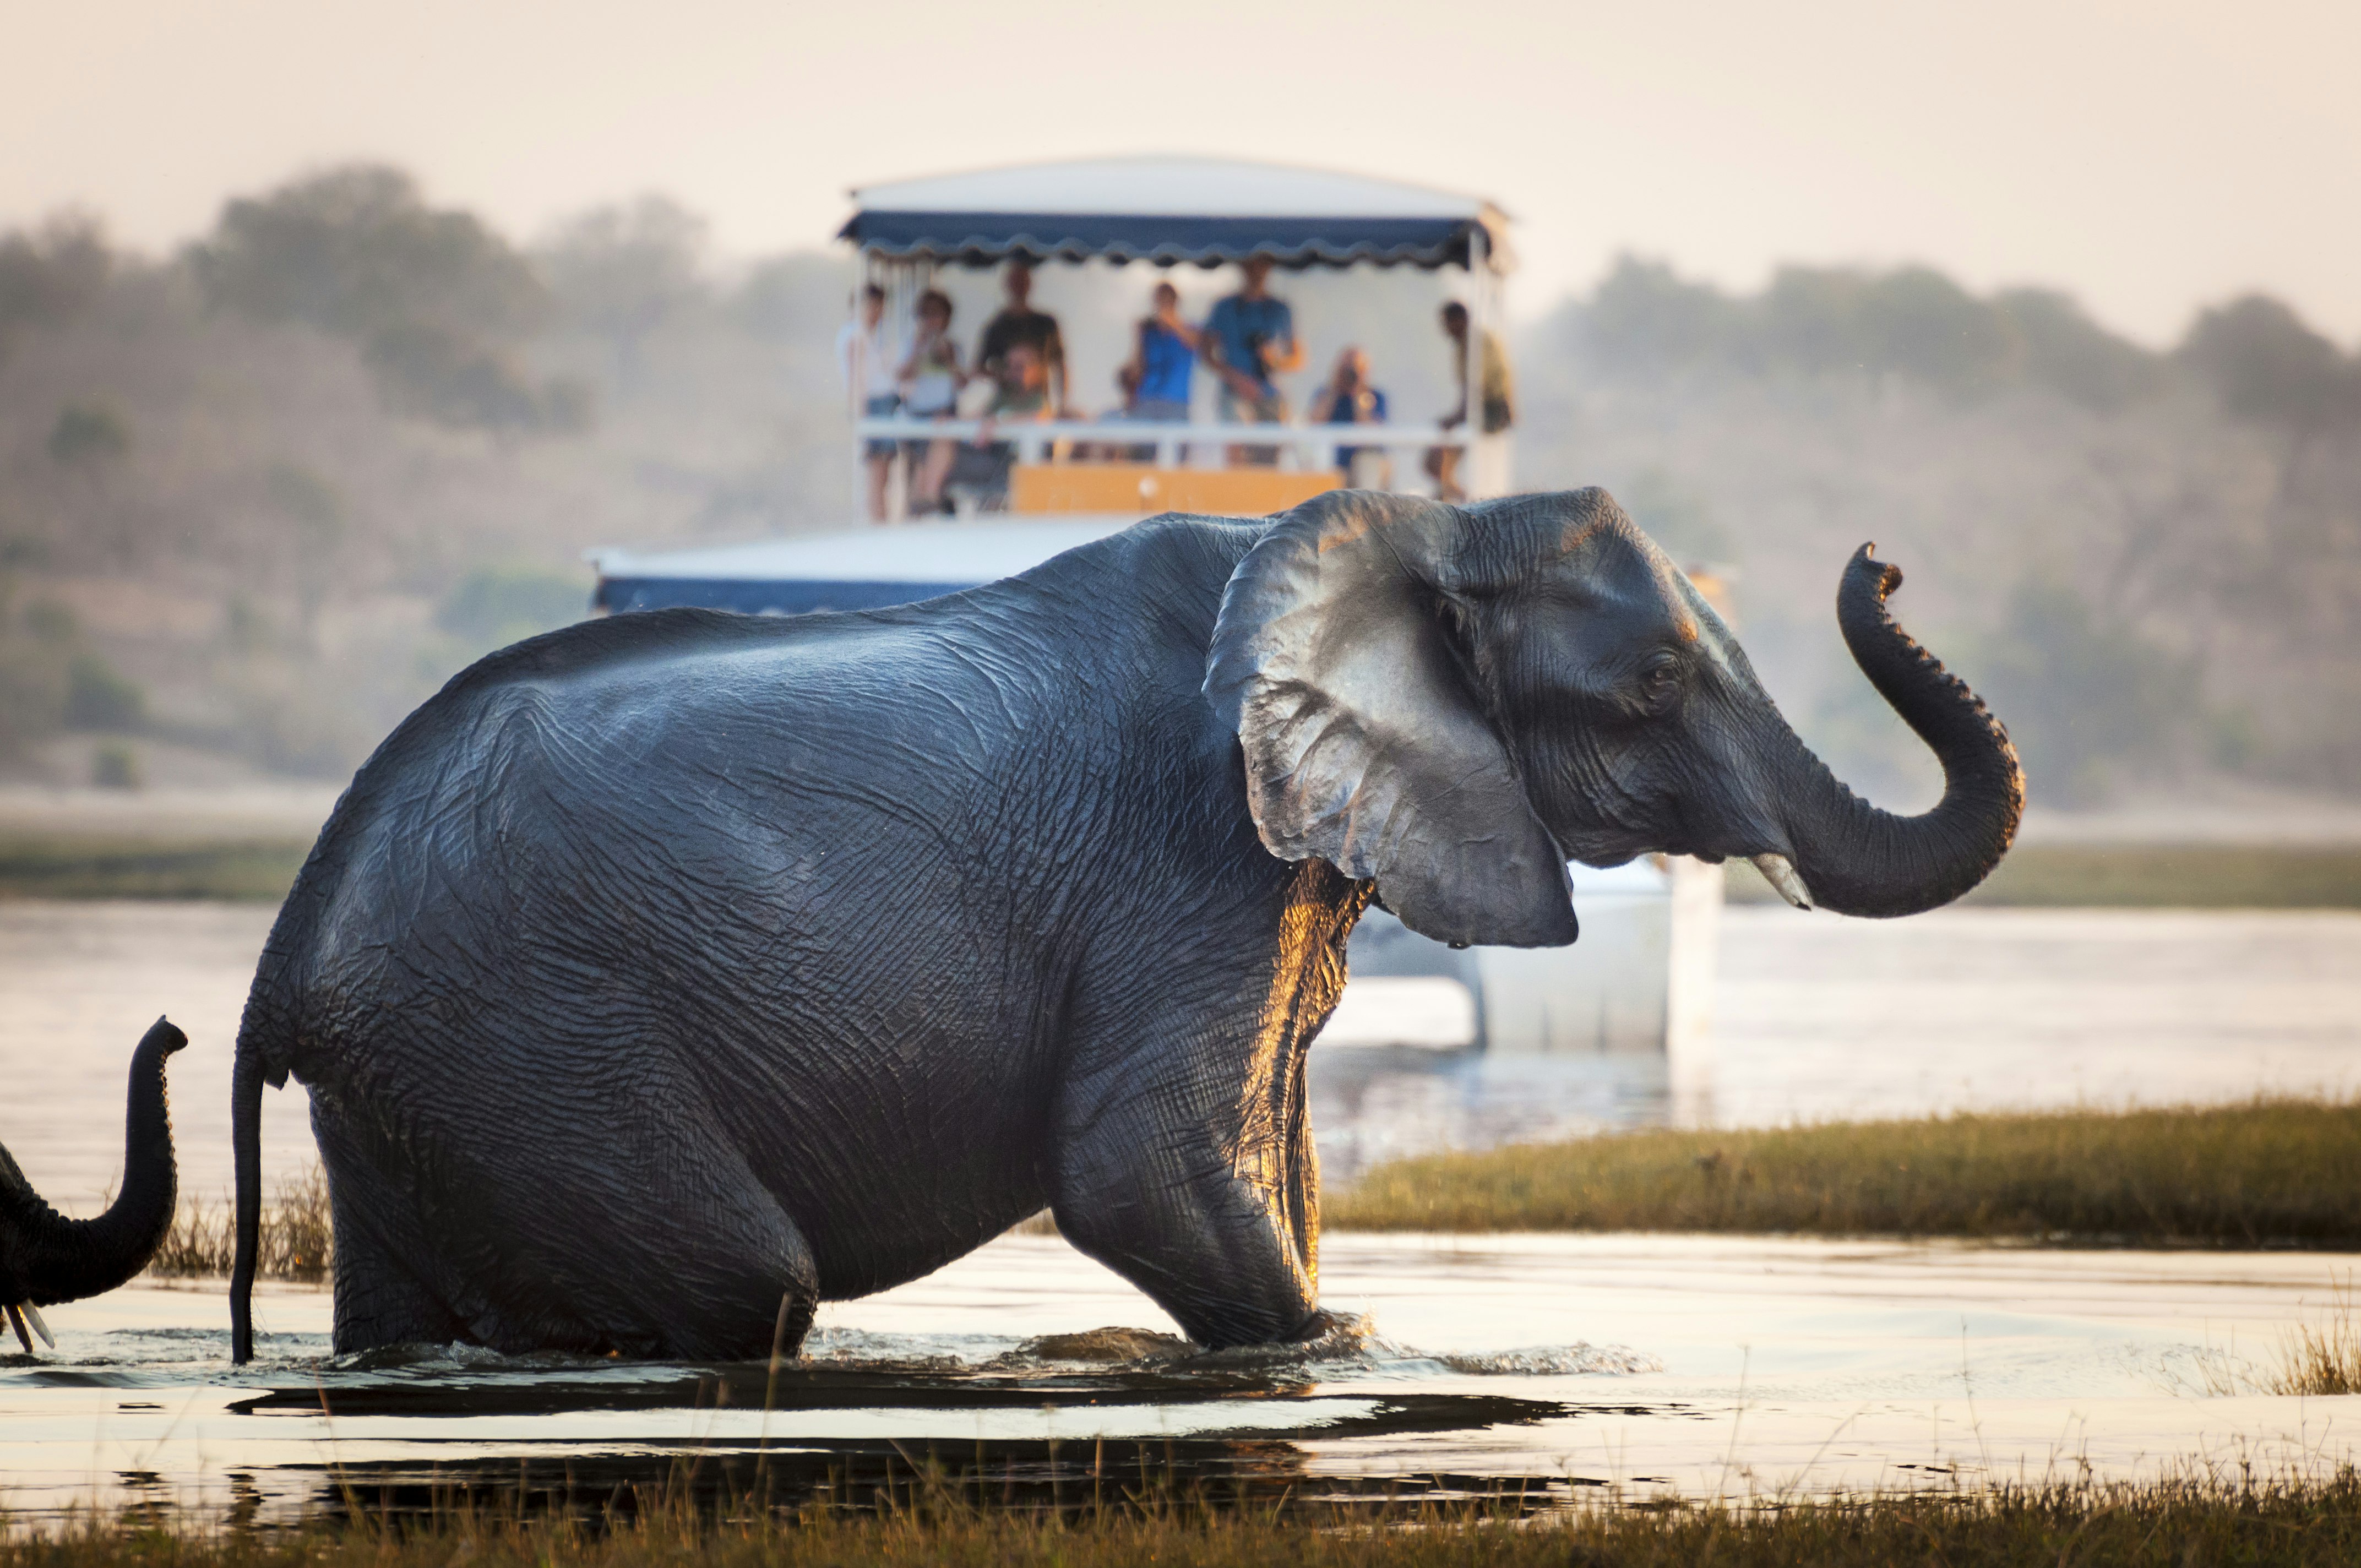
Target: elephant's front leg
{"points": [[1199, 1183]]}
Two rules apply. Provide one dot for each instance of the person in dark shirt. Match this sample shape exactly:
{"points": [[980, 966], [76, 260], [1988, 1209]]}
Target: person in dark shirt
{"points": [[1017, 322], [1249, 338]]}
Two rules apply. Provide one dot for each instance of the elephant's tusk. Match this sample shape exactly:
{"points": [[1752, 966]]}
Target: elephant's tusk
{"points": [[33, 1316], [19, 1325], [1780, 872]]}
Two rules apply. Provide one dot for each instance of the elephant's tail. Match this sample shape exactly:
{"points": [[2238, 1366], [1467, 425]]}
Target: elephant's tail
{"points": [[245, 1139]]}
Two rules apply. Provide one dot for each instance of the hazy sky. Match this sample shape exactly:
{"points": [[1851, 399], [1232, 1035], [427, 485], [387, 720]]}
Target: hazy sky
{"points": [[2147, 156]]}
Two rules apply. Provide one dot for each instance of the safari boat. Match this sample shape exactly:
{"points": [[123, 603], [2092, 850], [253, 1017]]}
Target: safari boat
{"points": [[1639, 981]]}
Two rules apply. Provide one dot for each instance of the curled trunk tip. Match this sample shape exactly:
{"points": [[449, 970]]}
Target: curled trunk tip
{"points": [[1858, 859]]}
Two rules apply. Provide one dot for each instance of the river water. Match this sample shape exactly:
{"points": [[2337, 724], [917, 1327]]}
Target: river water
{"points": [[1557, 1365]]}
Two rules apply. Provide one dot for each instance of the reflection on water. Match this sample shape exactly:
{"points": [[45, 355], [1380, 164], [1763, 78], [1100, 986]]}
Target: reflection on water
{"points": [[1549, 1365]]}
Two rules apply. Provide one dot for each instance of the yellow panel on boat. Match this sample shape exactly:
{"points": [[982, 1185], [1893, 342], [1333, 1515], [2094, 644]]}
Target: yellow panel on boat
{"points": [[1143, 488]]}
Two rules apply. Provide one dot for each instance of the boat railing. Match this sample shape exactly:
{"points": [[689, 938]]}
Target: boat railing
{"points": [[1050, 441]]}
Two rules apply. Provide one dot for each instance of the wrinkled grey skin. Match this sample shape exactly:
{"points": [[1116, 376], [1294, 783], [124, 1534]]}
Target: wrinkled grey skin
{"points": [[668, 974], [44, 1257]]}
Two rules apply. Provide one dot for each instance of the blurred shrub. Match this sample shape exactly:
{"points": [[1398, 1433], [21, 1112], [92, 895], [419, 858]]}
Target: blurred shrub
{"points": [[99, 697], [35, 646], [88, 436], [499, 605], [432, 373], [116, 766]]}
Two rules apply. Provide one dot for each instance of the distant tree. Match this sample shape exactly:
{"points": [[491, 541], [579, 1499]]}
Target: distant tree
{"points": [[2087, 696], [2060, 347], [447, 379], [356, 250], [436, 299], [2269, 367], [622, 272], [1644, 319], [50, 274], [1817, 323], [315, 514], [1914, 323], [797, 296]]}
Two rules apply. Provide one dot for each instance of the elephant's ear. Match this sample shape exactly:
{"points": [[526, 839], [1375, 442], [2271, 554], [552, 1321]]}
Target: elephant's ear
{"points": [[1365, 744]]}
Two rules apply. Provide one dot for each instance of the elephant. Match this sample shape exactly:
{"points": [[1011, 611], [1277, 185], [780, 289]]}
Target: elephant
{"points": [[667, 975], [46, 1258]]}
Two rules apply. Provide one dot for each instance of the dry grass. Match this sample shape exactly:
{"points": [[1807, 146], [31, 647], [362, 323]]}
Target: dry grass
{"points": [[2321, 1358], [2273, 1172], [2170, 1525], [296, 1239]]}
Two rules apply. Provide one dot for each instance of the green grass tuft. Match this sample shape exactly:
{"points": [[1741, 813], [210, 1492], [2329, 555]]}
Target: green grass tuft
{"points": [[2273, 1172], [101, 866]]}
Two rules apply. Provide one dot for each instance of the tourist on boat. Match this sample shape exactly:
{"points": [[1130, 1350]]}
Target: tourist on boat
{"points": [[1163, 361], [1019, 323], [1020, 394], [1497, 393], [930, 383], [1156, 379], [1349, 399], [866, 356], [1249, 338]]}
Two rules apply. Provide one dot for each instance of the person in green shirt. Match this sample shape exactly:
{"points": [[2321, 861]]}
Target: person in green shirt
{"points": [[1497, 397]]}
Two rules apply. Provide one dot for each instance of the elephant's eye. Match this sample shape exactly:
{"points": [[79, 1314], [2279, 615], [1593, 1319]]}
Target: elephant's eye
{"points": [[1660, 684]]}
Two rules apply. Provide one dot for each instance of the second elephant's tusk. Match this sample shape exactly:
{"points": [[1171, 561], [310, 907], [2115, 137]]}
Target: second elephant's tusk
{"points": [[18, 1323], [33, 1316], [1780, 872]]}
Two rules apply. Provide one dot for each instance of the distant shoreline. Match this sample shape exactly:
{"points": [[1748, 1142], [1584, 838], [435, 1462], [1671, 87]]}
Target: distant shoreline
{"points": [[242, 861]]}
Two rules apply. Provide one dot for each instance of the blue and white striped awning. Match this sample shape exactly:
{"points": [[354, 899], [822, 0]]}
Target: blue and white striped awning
{"points": [[1171, 211]]}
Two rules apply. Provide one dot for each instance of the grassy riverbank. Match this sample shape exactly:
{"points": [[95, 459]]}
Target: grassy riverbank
{"points": [[93, 865], [2149, 876], [2273, 1172], [2264, 1523]]}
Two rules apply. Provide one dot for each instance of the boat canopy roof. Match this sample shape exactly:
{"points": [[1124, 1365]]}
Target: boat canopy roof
{"points": [[864, 570], [1167, 211]]}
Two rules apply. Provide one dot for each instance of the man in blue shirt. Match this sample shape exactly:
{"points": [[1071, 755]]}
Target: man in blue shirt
{"points": [[1249, 338]]}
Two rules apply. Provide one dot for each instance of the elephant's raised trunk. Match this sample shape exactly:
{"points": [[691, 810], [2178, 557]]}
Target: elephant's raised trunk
{"points": [[52, 1259], [1858, 860]]}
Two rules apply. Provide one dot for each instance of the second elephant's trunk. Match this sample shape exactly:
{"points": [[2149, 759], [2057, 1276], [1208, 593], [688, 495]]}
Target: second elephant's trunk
{"points": [[57, 1259]]}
